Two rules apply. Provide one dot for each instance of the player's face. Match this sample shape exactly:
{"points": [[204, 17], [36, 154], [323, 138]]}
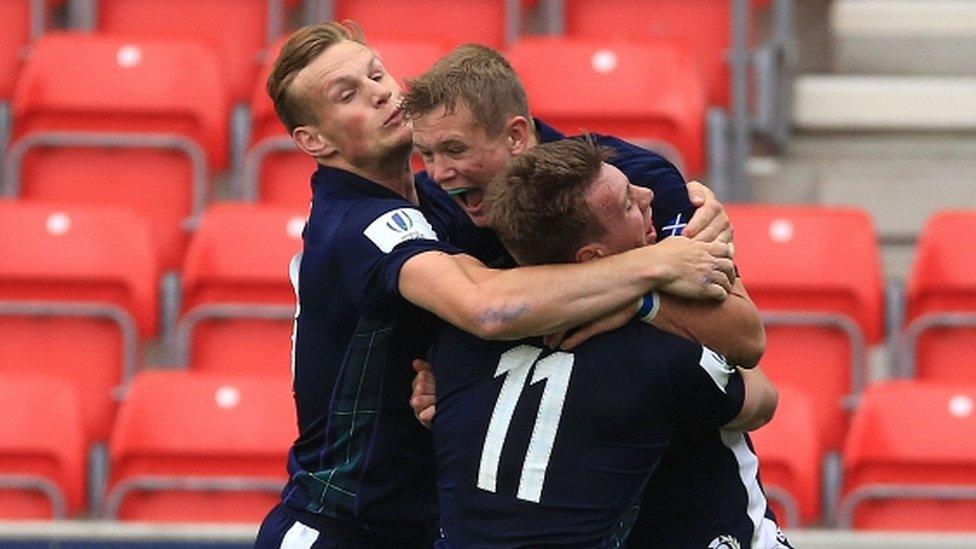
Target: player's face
{"points": [[355, 103], [623, 208], [460, 156]]}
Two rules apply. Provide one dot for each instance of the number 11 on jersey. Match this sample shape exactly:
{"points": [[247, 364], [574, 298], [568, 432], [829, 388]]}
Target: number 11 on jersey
{"points": [[515, 365]]}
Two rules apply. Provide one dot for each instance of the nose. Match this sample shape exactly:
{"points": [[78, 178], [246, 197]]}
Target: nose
{"points": [[439, 170], [381, 94], [644, 196]]}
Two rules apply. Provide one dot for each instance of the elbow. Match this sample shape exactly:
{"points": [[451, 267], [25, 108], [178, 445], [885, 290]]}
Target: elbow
{"points": [[751, 348], [491, 321], [766, 410]]}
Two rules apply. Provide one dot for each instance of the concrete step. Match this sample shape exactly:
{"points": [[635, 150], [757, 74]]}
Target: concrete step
{"points": [[931, 37], [842, 102]]}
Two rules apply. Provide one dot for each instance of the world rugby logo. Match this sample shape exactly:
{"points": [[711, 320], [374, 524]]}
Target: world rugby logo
{"points": [[400, 222], [724, 542]]}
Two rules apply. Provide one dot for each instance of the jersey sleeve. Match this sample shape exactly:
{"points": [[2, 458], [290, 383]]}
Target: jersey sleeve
{"points": [[708, 391], [375, 242], [671, 206]]}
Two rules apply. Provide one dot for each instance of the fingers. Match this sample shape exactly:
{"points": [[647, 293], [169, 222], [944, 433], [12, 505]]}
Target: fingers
{"points": [[553, 340], [579, 336], [420, 365], [696, 193], [426, 418]]}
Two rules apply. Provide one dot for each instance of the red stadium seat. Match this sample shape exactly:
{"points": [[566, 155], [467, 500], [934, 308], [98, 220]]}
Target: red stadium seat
{"points": [[77, 289], [239, 305], [815, 275], [941, 333], [42, 453], [17, 31], [481, 21], [200, 448], [142, 134], [703, 25], [235, 30], [910, 459], [275, 171], [643, 91], [790, 451]]}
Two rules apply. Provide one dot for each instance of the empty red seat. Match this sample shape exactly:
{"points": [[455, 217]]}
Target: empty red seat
{"points": [[481, 21], [910, 459], [642, 91], [941, 312], [141, 134], [276, 172], [789, 450], [814, 273], [201, 448], [77, 290], [235, 30], [238, 302], [17, 20], [42, 452]]}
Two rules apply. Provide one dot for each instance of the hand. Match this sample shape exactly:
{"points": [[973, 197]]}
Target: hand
{"points": [[694, 269], [710, 222], [553, 340], [610, 322], [423, 398]]}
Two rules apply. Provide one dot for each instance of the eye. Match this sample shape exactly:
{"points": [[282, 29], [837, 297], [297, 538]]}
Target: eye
{"points": [[377, 76], [347, 95]]}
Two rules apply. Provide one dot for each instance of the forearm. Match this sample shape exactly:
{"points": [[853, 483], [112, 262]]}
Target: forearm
{"points": [[732, 327]]}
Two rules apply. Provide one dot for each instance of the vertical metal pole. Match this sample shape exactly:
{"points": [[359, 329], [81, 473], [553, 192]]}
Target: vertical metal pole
{"points": [[555, 16], [513, 20], [739, 60], [38, 12]]}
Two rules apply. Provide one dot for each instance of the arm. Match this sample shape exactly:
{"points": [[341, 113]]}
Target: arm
{"points": [[759, 405], [516, 303]]}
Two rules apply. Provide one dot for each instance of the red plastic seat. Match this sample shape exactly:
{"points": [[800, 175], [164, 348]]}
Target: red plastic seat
{"points": [[481, 21], [790, 452], [77, 290], [910, 459], [643, 91], [42, 453], [17, 20], [941, 333], [235, 30], [703, 25], [200, 448], [275, 171], [815, 275], [239, 305], [141, 135]]}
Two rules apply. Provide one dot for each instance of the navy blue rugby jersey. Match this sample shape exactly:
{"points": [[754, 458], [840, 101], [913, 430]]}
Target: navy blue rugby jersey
{"points": [[671, 208], [360, 456], [538, 448]]}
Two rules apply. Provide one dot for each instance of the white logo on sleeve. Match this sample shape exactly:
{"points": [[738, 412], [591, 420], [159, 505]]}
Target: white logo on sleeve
{"points": [[716, 366], [724, 542], [397, 226]]}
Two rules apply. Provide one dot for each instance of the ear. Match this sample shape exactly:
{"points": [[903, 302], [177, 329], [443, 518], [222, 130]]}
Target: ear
{"points": [[589, 252], [518, 131], [312, 142]]}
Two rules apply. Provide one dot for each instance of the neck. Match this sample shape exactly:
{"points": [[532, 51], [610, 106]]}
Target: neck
{"points": [[391, 173]]}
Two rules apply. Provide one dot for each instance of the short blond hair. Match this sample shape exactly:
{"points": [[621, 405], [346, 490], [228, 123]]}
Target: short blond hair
{"points": [[301, 48], [475, 75]]}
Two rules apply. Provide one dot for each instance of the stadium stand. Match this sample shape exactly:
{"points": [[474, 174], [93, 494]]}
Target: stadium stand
{"points": [[910, 459], [814, 273], [42, 455], [142, 134], [938, 341], [275, 172], [239, 305], [200, 448], [77, 290], [649, 92], [789, 450]]}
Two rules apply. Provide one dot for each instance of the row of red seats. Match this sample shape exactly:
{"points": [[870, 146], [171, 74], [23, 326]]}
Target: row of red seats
{"points": [[186, 447]]}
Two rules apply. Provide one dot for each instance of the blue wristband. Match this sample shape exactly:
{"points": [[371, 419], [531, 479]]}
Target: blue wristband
{"points": [[650, 304]]}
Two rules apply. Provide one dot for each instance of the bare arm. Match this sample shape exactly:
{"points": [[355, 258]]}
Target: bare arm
{"points": [[732, 327], [760, 402], [539, 300]]}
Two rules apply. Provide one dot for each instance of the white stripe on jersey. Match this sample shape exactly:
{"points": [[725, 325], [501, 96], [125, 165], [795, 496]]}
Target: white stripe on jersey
{"points": [[294, 267], [764, 530], [716, 367], [299, 536]]}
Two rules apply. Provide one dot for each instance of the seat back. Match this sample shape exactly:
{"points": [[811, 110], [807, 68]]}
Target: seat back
{"points": [[814, 273], [42, 451], [942, 300], [141, 135], [910, 459], [239, 305], [77, 289], [643, 91], [17, 30], [790, 451], [201, 448], [235, 30]]}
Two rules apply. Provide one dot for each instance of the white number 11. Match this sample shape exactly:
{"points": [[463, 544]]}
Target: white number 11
{"points": [[515, 364]]}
